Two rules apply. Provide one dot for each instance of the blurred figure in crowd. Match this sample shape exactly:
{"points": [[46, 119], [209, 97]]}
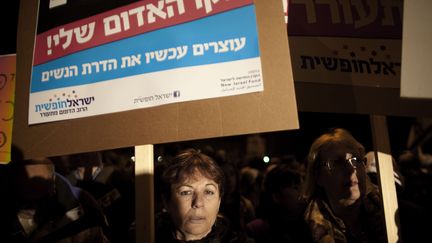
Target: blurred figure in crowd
{"points": [[414, 200], [192, 189], [42, 206], [111, 185], [235, 207], [251, 184], [344, 206], [281, 209]]}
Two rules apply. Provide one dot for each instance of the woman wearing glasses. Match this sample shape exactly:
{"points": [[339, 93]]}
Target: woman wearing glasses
{"points": [[344, 206]]}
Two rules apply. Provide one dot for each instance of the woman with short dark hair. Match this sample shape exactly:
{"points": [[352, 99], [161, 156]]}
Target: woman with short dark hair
{"points": [[192, 189]]}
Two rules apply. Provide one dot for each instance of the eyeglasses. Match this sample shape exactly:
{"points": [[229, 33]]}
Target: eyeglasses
{"points": [[333, 165]]}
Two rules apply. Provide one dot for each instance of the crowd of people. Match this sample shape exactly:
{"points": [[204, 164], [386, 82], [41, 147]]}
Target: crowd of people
{"points": [[87, 197], [332, 195], [204, 195]]}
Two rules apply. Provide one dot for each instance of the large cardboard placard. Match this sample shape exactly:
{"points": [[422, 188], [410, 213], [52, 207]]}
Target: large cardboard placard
{"points": [[271, 110], [141, 54]]}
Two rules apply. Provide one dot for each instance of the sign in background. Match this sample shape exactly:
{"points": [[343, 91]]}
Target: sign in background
{"points": [[346, 42], [7, 95], [144, 54], [346, 57]]}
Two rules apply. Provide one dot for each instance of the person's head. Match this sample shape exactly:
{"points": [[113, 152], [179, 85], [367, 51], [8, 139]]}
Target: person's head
{"points": [[250, 184], [86, 164], [231, 175], [336, 169], [34, 179], [282, 187], [192, 188]]}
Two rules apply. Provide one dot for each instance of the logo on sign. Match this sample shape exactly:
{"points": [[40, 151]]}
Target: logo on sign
{"points": [[64, 103]]}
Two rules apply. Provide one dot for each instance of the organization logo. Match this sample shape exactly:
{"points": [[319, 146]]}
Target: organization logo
{"points": [[176, 93], [64, 103]]}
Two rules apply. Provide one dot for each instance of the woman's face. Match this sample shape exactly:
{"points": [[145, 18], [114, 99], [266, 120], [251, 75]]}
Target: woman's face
{"points": [[341, 179], [194, 206]]}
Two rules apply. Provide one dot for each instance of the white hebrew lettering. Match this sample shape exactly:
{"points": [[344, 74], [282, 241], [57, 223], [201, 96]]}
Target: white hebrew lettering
{"points": [[73, 70], [206, 46], [68, 35], [115, 22], [66, 75], [103, 63], [223, 46], [207, 4], [161, 55], [153, 10], [167, 54], [149, 56], [198, 50], [125, 18], [220, 46], [96, 64], [174, 53], [139, 15], [240, 43], [180, 7], [58, 73], [182, 51], [112, 64], [86, 69], [45, 76], [85, 33], [56, 39], [215, 47], [136, 60], [131, 61]]}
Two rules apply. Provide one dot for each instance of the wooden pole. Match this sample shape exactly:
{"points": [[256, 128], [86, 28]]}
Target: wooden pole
{"points": [[144, 194], [385, 175]]}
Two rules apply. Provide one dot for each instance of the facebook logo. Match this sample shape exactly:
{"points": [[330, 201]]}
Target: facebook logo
{"points": [[176, 93]]}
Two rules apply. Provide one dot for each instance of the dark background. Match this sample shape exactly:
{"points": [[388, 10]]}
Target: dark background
{"points": [[9, 23]]}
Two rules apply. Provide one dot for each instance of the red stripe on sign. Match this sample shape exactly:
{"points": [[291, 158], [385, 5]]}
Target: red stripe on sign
{"points": [[124, 22]]}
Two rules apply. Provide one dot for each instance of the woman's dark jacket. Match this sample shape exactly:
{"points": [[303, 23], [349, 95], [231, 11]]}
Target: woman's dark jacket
{"points": [[220, 233]]}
